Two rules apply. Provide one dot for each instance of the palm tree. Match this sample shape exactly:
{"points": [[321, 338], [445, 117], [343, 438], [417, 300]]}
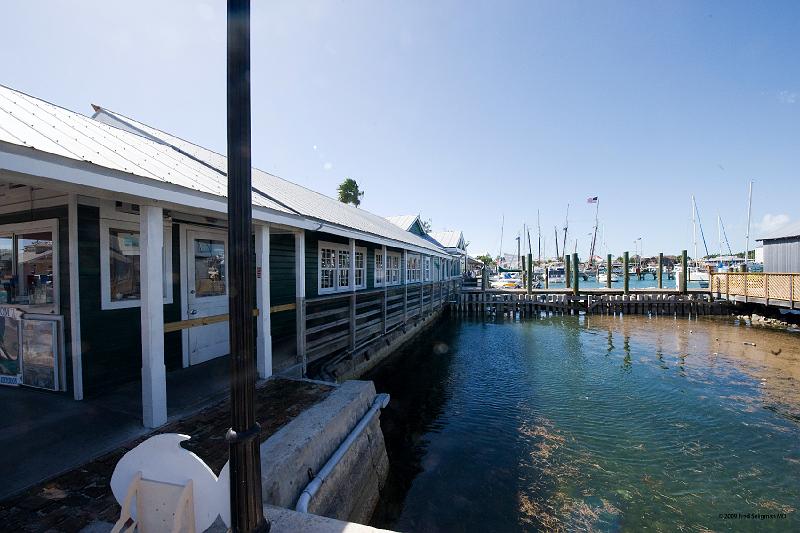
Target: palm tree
{"points": [[349, 193]]}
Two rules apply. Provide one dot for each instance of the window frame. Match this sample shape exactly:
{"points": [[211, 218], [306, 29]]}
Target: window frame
{"points": [[46, 224], [426, 268], [389, 270], [107, 224], [378, 269], [338, 248], [413, 268]]}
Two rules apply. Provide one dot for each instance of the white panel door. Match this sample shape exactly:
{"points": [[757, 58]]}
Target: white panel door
{"points": [[206, 253]]}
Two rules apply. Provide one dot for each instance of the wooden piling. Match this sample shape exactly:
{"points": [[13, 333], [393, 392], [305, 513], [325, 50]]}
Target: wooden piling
{"points": [[530, 273], [625, 280], [567, 271], [608, 271], [575, 276], [660, 270], [684, 272]]}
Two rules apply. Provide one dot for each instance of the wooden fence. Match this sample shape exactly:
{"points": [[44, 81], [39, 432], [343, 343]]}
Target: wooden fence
{"points": [[768, 288]]}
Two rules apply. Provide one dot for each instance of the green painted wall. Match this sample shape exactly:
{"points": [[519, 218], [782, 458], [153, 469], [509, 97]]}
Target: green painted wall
{"points": [[282, 286], [111, 339]]}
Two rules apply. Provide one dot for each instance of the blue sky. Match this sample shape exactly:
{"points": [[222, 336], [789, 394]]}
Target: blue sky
{"points": [[464, 111]]}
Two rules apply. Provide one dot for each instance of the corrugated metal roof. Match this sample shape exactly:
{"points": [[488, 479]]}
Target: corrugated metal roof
{"points": [[304, 201], [403, 222], [790, 230], [28, 121], [448, 239]]}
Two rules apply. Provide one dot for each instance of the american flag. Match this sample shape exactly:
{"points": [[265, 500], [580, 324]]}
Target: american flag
{"points": [[591, 200]]}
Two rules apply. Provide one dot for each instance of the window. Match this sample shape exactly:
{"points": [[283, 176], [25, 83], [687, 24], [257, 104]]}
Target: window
{"points": [[378, 268], [413, 270], [392, 268], [343, 264], [334, 267], [327, 269], [209, 268], [427, 269], [27, 257], [361, 269], [120, 263]]}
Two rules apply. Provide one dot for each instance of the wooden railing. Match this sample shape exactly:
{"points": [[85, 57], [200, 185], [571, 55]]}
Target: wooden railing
{"points": [[762, 287], [348, 322]]}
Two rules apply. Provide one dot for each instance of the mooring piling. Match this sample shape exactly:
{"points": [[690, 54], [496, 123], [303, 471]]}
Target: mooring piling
{"points": [[684, 271], [575, 274], [625, 280]]}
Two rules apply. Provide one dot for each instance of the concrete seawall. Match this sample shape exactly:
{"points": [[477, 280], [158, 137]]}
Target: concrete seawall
{"points": [[296, 453]]}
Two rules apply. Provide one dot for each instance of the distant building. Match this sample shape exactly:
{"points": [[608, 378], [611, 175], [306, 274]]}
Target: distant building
{"points": [[781, 249]]}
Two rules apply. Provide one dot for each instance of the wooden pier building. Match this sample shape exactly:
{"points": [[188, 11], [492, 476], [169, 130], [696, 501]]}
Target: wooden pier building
{"points": [[112, 260]]}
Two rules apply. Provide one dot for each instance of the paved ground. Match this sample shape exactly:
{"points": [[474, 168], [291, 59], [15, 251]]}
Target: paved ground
{"points": [[42, 434], [81, 496]]}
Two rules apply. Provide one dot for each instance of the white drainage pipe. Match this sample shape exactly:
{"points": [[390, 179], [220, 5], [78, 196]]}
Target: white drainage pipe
{"points": [[381, 400]]}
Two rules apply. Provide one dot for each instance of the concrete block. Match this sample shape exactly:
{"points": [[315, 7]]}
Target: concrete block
{"points": [[293, 455]]}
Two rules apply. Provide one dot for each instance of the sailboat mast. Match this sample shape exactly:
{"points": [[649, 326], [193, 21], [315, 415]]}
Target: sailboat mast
{"points": [[694, 231], [725, 236], [700, 223], [555, 230], [719, 234], [500, 255], [566, 228], [747, 235], [539, 228], [594, 237]]}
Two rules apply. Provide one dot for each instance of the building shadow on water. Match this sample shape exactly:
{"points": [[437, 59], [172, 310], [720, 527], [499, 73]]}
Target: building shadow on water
{"points": [[416, 378]]}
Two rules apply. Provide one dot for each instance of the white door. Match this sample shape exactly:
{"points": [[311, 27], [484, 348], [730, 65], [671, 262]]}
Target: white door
{"points": [[208, 293]]}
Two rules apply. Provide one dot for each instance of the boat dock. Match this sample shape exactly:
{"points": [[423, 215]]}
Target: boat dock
{"points": [[766, 288], [658, 302]]}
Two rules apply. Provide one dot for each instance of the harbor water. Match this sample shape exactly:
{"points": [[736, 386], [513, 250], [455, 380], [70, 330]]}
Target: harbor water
{"points": [[593, 423]]}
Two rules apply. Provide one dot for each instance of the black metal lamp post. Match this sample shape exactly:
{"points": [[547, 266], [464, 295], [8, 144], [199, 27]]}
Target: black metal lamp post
{"points": [[247, 514]]}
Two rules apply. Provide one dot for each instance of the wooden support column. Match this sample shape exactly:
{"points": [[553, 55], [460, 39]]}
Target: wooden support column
{"points": [[384, 304], [263, 324], [352, 299], [684, 272], [151, 272], [575, 274], [661, 270], [300, 295], [74, 299], [608, 271], [625, 280], [530, 273], [404, 278], [567, 271]]}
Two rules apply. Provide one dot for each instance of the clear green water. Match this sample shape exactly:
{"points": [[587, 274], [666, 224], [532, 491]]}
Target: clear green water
{"points": [[592, 423]]}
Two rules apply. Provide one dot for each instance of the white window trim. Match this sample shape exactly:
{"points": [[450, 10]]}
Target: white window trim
{"points": [[363, 251], [427, 265], [400, 276], [105, 270], [336, 247], [48, 224], [376, 269], [413, 275]]}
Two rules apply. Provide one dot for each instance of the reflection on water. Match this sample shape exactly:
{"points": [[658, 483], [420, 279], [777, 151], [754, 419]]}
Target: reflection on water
{"points": [[592, 423]]}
